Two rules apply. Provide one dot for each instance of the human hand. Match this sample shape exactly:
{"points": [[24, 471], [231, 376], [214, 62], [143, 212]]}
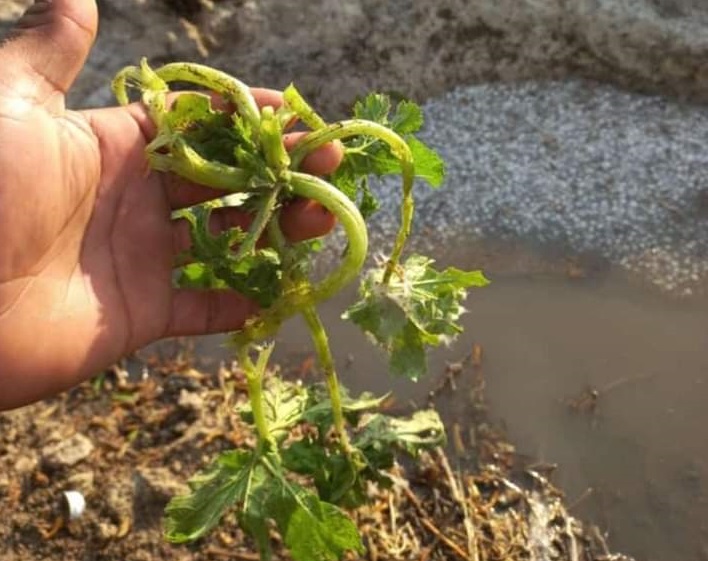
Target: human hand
{"points": [[88, 243]]}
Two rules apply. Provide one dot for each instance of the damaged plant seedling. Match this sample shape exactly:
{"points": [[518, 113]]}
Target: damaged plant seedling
{"points": [[301, 481]]}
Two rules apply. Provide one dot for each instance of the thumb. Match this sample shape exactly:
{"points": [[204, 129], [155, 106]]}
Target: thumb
{"points": [[47, 48]]}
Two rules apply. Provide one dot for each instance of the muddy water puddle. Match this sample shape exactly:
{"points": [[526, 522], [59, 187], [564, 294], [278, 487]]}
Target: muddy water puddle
{"points": [[598, 375], [635, 454]]}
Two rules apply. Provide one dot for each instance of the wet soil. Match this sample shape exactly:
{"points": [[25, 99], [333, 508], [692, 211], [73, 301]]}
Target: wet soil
{"points": [[128, 444]]}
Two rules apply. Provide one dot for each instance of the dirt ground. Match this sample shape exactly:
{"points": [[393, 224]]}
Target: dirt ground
{"points": [[128, 446]]}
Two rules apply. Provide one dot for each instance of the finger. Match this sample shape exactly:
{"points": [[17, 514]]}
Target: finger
{"points": [[201, 312], [267, 97], [47, 48], [182, 193], [220, 220], [304, 219], [300, 220], [323, 161]]}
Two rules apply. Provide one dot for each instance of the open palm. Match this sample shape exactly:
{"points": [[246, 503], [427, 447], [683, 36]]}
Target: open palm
{"points": [[86, 237]]}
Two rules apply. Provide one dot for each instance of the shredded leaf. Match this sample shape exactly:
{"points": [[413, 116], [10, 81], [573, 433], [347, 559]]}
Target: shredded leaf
{"points": [[213, 491], [367, 156], [380, 435], [215, 265], [341, 478], [285, 406], [420, 307]]}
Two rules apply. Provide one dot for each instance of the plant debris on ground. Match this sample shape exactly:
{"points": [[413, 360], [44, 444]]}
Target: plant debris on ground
{"points": [[128, 445]]}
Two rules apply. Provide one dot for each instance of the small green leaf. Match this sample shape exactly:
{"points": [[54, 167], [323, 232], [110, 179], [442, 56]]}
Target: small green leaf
{"points": [[429, 166], [317, 530], [305, 457], [319, 408], [188, 109], [213, 490], [198, 275], [380, 435], [374, 107], [419, 307], [256, 276], [212, 134], [407, 353], [335, 474], [366, 156], [215, 266], [408, 118], [284, 405]]}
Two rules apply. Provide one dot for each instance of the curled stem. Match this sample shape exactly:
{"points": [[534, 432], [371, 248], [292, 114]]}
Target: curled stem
{"points": [[302, 295], [120, 83], [356, 127], [259, 224], [187, 163], [303, 109], [220, 82], [349, 217]]}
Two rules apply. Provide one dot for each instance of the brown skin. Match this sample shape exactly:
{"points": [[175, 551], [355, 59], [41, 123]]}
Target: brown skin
{"points": [[86, 239]]}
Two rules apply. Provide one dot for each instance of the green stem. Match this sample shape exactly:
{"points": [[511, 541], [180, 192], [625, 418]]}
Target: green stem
{"points": [[302, 109], [271, 133], [359, 127], [324, 356], [153, 88], [319, 340], [302, 295], [347, 129], [254, 380], [265, 213], [120, 83], [349, 217], [187, 163], [232, 89]]}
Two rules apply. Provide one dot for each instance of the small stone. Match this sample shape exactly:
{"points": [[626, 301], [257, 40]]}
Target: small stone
{"points": [[67, 453], [156, 485], [107, 531], [153, 488], [190, 401], [82, 481], [40, 479], [25, 464], [119, 500]]}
